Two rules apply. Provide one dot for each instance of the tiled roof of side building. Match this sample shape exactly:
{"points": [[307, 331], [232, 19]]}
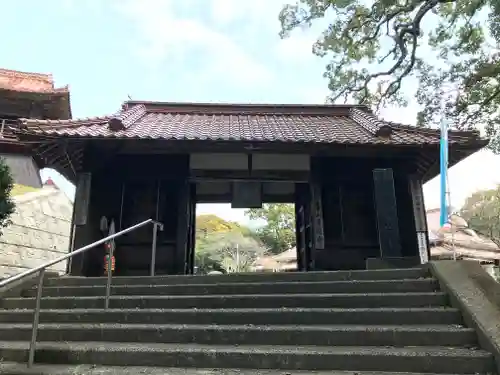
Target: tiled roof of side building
{"points": [[330, 124], [14, 80]]}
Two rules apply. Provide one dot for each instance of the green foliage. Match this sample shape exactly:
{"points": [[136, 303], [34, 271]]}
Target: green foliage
{"points": [[482, 212], [231, 251], [216, 240], [278, 233], [7, 206], [228, 251], [207, 224], [206, 261], [448, 49]]}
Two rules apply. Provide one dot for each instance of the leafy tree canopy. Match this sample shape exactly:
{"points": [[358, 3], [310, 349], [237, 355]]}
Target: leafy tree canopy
{"points": [[208, 253], [231, 251], [7, 206], [482, 212], [207, 224], [278, 232], [448, 51]]}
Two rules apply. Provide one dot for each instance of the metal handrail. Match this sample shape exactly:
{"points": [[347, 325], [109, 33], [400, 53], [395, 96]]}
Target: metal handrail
{"points": [[41, 269]]}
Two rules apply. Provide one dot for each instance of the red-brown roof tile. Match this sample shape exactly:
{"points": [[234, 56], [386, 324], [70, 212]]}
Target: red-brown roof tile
{"points": [[252, 123], [29, 82]]}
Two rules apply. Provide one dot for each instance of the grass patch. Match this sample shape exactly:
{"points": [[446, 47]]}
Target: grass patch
{"points": [[22, 189]]}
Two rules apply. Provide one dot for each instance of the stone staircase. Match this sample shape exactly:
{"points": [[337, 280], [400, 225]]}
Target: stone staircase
{"points": [[329, 322]]}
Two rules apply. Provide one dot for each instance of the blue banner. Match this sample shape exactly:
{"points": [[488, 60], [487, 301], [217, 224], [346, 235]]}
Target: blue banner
{"points": [[443, 163]]}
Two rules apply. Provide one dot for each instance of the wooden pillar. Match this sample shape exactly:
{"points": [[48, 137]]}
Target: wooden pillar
{"points": [[76, 263], [182, 240], [306, 239], [387, 213], [299, 239], [190, 253], [317, 227], [71, 245], [420, 216], [304, 233], [316, 211], [82, 231]]}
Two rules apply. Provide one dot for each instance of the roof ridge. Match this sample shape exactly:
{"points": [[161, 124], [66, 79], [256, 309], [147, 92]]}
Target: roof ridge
{"points": [[370, 122], [50, 91], [17, 81], [126, 117], [17, 73], [131, 103], [375, 125], [123, 119], [61, 124], [244, 124], [245, 108], [421, 129]]}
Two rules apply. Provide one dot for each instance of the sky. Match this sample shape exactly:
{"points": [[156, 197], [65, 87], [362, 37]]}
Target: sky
{"points": [[189, 50]]}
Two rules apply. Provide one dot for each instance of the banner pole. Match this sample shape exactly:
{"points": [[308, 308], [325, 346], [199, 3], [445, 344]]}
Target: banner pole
{"points": [[443, 163]]}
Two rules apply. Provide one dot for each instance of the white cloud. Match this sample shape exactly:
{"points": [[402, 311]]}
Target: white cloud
{"points": [[256, 18], [166, 36], [92, 6], [313, 95], [406, 116], [297, 49], [257, 13], [223, 12]]}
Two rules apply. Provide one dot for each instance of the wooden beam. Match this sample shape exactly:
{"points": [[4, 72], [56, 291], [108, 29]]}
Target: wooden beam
{"points": [[226, 198], [347, 150], [293, 176]]}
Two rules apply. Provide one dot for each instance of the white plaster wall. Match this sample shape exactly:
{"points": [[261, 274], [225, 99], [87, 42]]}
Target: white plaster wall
{"points": [[39, 232]]}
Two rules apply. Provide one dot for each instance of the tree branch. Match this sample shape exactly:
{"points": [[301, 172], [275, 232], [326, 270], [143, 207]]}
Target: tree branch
{"points": [[401, 33]]}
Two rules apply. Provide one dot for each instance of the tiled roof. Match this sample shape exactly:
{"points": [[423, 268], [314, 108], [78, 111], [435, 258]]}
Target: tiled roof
{"points": [[332, 124], [29, 82]]}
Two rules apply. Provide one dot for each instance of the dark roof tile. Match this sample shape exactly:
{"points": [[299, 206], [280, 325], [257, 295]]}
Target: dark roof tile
{"points": [[264, 123], [29, 82]]}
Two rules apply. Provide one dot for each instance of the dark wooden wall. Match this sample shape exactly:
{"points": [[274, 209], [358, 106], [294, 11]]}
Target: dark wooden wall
{"points": [[157, 187], [349, 211], [151, 187]]}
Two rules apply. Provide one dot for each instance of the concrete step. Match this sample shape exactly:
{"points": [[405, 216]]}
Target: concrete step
{"points": [[10, 368], [239, 301], [386, 274], [411, 359], [292, 316], [352, 286], [334, 335]]}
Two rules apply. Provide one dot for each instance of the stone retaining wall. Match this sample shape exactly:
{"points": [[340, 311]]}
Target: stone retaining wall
{"points": [[39, 233]]}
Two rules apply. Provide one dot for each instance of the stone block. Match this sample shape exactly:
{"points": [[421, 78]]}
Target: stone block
{"points": [[468, 291], [39, 232]]}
